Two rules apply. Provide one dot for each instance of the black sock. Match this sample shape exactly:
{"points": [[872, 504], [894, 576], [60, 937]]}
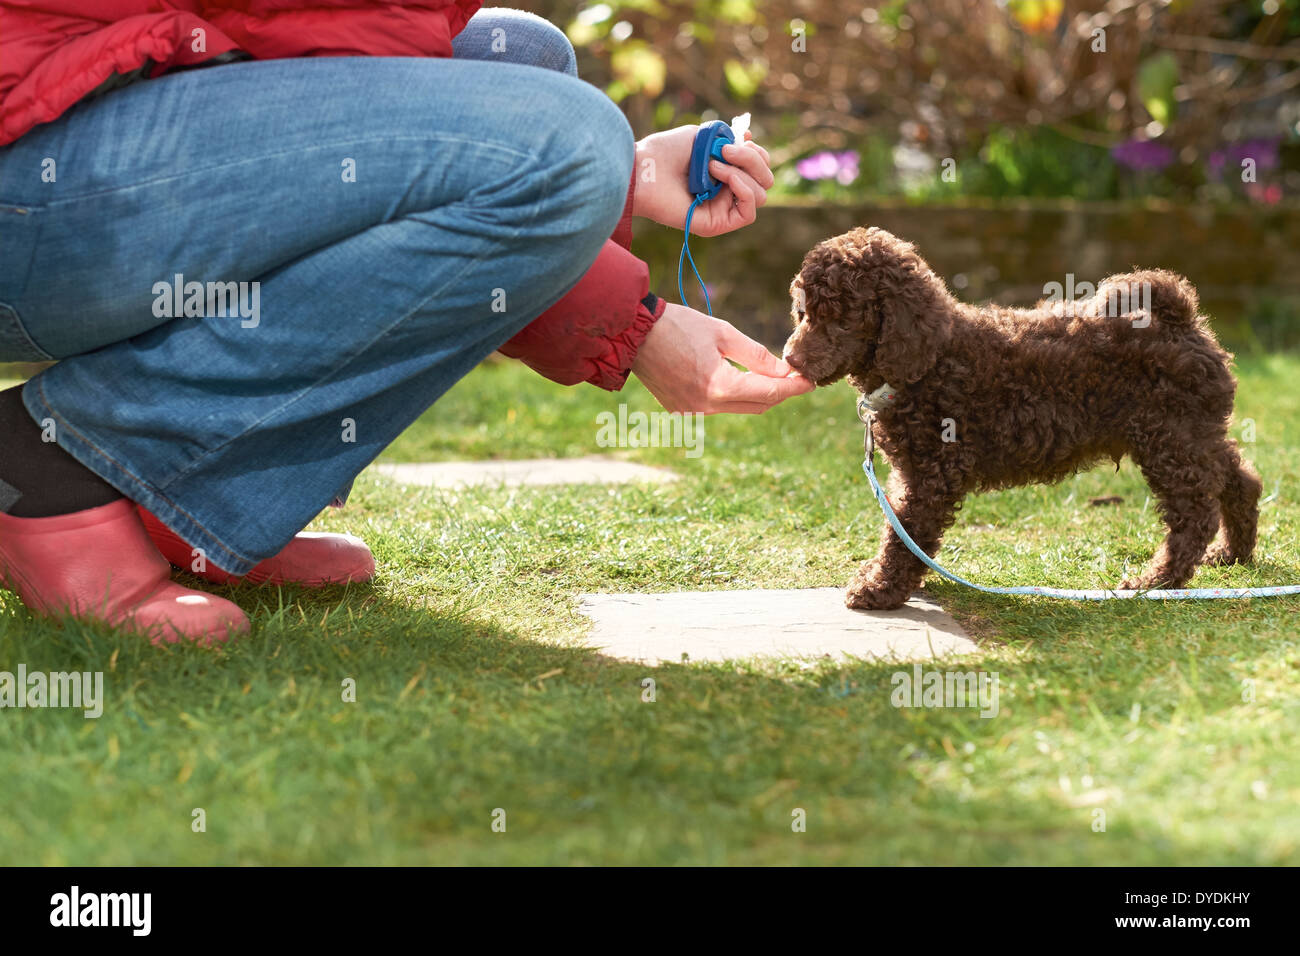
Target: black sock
{"points": [[38, 479]]}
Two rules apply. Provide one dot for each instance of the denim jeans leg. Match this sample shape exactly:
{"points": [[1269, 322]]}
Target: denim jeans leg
{"points": [[503, 35], [392, 222]]}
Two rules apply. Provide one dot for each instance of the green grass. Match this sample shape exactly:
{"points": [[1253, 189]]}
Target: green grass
{"points": [[474, 691]]}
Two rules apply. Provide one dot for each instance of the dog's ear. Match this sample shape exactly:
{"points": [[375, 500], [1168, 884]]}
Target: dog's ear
{"points": [[915, 322], [832, 284]]}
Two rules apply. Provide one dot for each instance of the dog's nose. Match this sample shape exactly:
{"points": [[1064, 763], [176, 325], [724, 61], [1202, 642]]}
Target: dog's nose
{"points": [[791, 359]]}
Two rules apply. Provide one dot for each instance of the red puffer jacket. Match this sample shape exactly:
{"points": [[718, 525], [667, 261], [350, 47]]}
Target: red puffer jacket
{"points": [[54, 52]]}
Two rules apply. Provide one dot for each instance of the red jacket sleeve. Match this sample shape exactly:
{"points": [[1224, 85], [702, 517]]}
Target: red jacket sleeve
{"points": [[594, 332]]}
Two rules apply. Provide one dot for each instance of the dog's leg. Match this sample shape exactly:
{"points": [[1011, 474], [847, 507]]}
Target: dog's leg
{"points": [[1239, 506], [888, 580], [1187, 485]]}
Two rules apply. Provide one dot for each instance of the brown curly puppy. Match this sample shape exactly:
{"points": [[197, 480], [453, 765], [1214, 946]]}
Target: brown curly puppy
{"points": [[989, 397]]}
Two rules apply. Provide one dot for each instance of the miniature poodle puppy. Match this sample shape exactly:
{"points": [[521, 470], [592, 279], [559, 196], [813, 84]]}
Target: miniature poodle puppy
{"points": [[987, 397]]}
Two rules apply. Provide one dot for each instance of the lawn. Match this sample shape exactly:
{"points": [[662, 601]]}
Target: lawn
{"points": [[474, 691]]}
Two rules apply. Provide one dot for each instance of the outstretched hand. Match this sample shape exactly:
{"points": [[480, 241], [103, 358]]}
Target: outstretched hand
{"points": [[683, 362], [661, 173]]}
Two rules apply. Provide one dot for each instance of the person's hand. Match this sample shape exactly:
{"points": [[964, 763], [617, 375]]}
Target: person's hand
{"points": [[660, 193], [683, 362]]}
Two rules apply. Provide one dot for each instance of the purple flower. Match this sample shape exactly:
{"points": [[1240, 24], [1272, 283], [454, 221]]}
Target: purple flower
{"points": [[848, 170], [842, 167], [1263, 151], [1142, 154], [817, 166]]}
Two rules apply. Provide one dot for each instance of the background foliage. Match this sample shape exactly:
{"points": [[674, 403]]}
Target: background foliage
{"points": [[1027, 97]]}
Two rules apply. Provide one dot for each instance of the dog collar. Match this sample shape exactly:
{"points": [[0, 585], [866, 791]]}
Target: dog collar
{"points": [[870, 406], [881, 398]]}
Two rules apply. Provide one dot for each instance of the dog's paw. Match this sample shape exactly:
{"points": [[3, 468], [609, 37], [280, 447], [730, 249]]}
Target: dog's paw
{"points": [[1149, 581], [1219, 555], [863, 598], [1142, 582]]}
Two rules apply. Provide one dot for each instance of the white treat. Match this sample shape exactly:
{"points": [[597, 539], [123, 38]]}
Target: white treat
{"points": [[740, 126]]}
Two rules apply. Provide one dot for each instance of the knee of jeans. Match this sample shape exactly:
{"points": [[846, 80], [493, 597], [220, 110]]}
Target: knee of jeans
{"points": [[608, 166], [541, 43], [554, 51]]}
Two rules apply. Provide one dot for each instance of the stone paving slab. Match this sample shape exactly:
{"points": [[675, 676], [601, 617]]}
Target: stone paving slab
{"points": [[803, 623], [592, 469]]}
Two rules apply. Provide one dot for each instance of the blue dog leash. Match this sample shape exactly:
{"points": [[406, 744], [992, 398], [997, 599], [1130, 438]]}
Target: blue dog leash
{"points": [[686, 257], [709, 140], [867, 417]]}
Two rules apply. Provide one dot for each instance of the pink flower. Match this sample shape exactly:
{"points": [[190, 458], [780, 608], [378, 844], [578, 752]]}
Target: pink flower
{"points": [[842, 167]]}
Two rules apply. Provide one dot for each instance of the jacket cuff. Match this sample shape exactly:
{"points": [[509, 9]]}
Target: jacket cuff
{"points": [[594, 332], [623, 231], [612, 373]]}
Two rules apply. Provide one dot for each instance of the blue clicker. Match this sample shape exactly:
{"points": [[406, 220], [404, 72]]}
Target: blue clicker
{"points": [[708, 145]]}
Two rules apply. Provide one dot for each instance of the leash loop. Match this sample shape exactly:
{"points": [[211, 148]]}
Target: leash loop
{"points": [[686, 257]]}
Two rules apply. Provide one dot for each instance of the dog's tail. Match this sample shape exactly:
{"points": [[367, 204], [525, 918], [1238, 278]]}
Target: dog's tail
{"points": [[1157, 294]]}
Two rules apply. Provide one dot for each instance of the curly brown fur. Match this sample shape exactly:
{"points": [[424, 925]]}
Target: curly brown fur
{"points": [[992, 397]]}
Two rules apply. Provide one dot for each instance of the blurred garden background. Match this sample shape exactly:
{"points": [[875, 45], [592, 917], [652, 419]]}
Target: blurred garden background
{"points": [[1015, 141]]}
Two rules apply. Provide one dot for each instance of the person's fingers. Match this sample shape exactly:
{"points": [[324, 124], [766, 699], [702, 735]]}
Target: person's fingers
{"points": [[738, 408], [752, 162], [734, 175], [739, 347], [790, 386], [798, 385], [734, 207], [730, 173], [749, 141], [750, 388], [745, 192], [757, 191]]}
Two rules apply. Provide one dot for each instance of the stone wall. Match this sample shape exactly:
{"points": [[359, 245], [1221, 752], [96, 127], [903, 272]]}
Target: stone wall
{"points": [[1238, 256], [1004, 252]]}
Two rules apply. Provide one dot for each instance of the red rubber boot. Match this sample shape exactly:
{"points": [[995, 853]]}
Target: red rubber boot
{"points": [[311, 559], [99, 564]]}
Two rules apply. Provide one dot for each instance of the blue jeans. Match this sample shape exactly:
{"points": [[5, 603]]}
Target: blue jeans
{"points": [[349, 237]]}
